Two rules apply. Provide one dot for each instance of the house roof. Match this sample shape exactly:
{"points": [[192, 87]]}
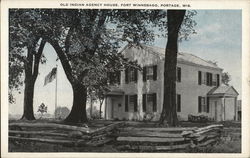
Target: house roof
{"points": [[223, 90], [181, 57]]}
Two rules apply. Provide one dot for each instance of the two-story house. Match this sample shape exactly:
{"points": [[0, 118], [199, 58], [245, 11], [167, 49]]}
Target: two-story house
{"points": [[198, 87]]}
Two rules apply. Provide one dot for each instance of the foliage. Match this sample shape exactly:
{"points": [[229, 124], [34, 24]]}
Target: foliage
{"points": [[42, 109], [22, 36], [148, 116], [95, 113], [62, 112], [226, 78], [87, 41]]}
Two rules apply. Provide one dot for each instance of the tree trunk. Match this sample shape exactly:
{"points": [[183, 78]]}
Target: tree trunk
{"points": [[101, 102], [28, 112], [33, 59], [91, 107], [175, 18], [78, 111]]}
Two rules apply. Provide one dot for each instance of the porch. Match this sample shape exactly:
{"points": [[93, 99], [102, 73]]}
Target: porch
{"points": [[223, 103]]}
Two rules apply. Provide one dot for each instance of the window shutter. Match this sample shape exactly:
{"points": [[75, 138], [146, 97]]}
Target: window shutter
{"points": [[178, 103], [207, 75], [199, 77], [178, 74], [126, 103], [144, 102], [135, 75], [154, 102], [126, 75], [135, 103], [211, 79], [218, 80], [199, 104], [144, 71], [207, 104], [155, 72]]}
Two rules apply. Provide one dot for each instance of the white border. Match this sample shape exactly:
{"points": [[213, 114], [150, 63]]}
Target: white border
{"points": [[244, 5]]}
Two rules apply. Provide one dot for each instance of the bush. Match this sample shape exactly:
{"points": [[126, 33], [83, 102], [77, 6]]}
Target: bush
{"points": [[62, 112], [148, 116], [199, 118]]}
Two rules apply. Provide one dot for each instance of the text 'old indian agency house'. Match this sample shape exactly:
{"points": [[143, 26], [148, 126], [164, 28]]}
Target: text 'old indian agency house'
{"points": [[198, 87]]}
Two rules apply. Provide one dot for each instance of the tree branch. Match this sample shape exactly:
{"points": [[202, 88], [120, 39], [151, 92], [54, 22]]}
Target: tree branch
{"points": [[63, 58], [37, 59]]}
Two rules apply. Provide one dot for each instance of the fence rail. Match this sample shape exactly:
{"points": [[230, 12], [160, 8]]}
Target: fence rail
{"points": [[167, 139], [125, 138], [61, 134]]}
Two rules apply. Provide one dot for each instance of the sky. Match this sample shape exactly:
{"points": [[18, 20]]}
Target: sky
{"points": [[218, 39]]}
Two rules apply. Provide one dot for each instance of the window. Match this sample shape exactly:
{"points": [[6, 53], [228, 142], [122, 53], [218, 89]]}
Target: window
{"points": [[150, 73], [149, 102], [130, 75], [214, 80], [114, 77], [209, 78], [203, 104], [178, 74], [178, 102], [131, 101], [204, 78]]}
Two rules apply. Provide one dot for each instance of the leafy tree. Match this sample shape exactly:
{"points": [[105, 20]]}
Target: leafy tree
{"points": [[25, 52], [86, 42], [90, 48], [226, 78], [42, 109]]}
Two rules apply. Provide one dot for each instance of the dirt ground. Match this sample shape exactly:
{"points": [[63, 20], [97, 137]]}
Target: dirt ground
{"points": [[230, 142]]}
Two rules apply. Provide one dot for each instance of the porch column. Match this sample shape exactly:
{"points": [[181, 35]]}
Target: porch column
{"points": [[223, 110], [235, 109], [105, 116]]}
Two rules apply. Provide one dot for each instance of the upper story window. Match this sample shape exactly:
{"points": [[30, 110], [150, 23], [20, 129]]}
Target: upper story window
{"points": [[178, 74], [150, 73], [131, 75], [208, 78], [114, 77], [214, 83]]}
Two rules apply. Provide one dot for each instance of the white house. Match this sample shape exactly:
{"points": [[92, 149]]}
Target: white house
{"points": [[199, 88]]}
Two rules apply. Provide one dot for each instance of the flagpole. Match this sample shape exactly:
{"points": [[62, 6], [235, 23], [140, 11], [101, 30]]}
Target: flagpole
{"points": [[56, 92]]}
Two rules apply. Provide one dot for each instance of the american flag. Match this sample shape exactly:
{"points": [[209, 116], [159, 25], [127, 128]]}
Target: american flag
{"points": [[51, 76]]}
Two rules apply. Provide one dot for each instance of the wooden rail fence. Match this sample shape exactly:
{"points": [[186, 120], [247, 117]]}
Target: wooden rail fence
{"points": [[68, 135], [123, 137], [167, 139]]}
